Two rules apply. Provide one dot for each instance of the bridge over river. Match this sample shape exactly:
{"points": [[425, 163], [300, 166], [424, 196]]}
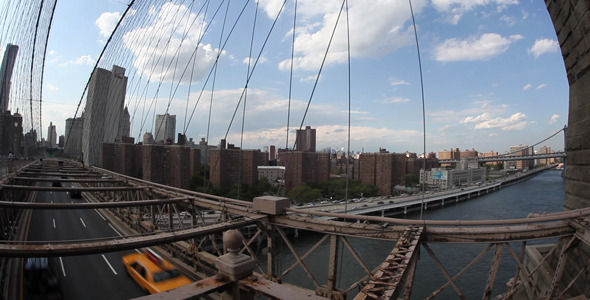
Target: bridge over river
{"points": [[39, 218]]}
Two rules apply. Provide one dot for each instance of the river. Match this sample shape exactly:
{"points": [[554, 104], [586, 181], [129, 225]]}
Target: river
{"points": [[542, 193]]}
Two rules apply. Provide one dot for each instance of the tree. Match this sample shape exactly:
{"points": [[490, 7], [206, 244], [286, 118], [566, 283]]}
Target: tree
{"points": [[304, 193], [412, 180]]}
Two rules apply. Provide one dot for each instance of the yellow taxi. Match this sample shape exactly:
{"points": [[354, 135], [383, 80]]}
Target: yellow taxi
{"points": [[153, 273]]}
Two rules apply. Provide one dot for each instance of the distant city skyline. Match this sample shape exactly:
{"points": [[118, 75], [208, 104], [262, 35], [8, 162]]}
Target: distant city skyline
{"points": [[493, 73]]}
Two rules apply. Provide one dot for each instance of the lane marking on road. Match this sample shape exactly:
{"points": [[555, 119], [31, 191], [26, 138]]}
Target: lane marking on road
{"points": [[53, 223], [108, 263], [103, 218], [83, 222], [63, 270], [115, 230]]}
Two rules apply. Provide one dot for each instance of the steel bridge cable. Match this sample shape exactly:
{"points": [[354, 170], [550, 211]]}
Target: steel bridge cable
{"points": [[43, 66], [348, 129], [100, 56], [162, 75], [253, 69], [291, 74], [177, 56], [210, 70], [245, 100], [423, 106], [215, 67], [114, 54], [349, 107], [201, 33], [143, 94], [316, 80], [31, 38], [150, 59]]}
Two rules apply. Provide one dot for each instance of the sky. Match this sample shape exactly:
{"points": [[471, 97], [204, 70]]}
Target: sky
{"points": [[493, 74]]}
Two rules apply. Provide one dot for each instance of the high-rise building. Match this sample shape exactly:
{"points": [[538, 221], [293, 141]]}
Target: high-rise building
{"points": [[468, 153], [104, 106], [519, 151], [11, 133], [487, 154], [73, 140], [383, 170], [165, 128], [234, 165], [305, 140], [6, 75], [450, 154], [546, 150], [148, 138], [272, 154], [125, 125], [31, 147], [303, 166], [51, 136]]}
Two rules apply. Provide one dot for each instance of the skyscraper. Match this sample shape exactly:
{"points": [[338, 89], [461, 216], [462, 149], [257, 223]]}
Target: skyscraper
{"points": [[125, 125], [51, 136], [305, 140], [104, 107], [165, 127], [6, 75], [73, 140]]}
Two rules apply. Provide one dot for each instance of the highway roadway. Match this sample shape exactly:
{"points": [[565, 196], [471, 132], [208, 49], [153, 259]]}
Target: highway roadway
{"points": [[81, 277], [364, 205]]}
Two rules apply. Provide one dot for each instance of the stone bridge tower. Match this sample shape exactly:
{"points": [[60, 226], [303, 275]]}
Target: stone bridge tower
{"points": [[571, 19]]}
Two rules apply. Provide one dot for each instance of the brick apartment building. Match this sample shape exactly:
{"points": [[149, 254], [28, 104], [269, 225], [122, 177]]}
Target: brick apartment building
{"points": [[172, 165], [301, 166], [384, 170], [226, 168]]}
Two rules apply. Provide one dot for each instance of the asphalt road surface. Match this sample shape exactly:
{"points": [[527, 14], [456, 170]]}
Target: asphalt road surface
{"points": [[100, 276]]}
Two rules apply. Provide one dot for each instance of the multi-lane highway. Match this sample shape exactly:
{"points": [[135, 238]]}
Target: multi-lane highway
{"points": [[80, 277]]}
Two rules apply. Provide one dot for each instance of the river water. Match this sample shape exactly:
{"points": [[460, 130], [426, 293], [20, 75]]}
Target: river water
{"points": [[542, 193]]}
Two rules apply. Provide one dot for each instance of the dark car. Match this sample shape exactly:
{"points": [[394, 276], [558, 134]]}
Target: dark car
{"points": [[75, 194], [56, 184], [40, 278]]}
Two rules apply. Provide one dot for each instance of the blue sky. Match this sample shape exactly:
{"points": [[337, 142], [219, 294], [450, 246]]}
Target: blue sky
{"points": [[493, 73]]}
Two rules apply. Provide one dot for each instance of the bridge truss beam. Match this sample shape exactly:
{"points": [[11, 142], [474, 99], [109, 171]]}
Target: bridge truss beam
{"points": [[401, 262]]}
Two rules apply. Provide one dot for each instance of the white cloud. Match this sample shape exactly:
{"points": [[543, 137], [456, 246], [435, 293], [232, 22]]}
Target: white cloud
{"points": [[554, 118], [395, 82], [455, 9], [485, 47], [82, 60], [52, 87], [376, 29], [252, 60], [155, 60], [106, 23], [335, 136], [476, 108], [515, 122], [540, 86], [395, 100], [527, 86], [510, 21], [543, 46]]}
